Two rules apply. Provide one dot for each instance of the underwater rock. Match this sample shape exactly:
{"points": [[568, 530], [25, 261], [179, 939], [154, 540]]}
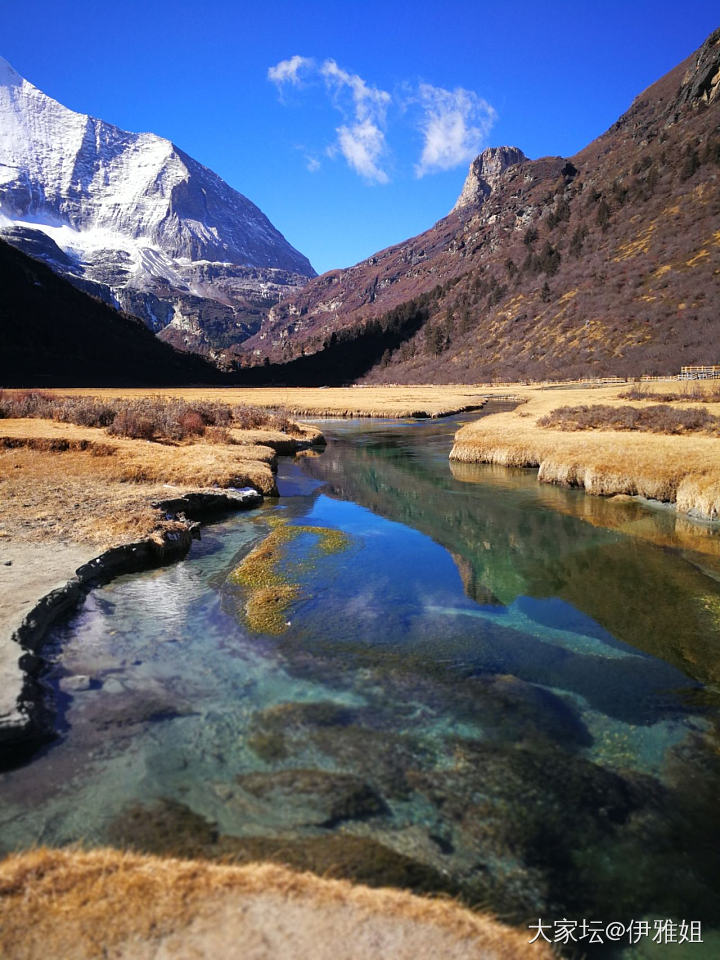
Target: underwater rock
{"points": [[315, 713], [271, 727], [397, 685], [170, 828], [312, 797], [122, 712], [75, 684], [531, 807], [378, 756], [166, 827]]}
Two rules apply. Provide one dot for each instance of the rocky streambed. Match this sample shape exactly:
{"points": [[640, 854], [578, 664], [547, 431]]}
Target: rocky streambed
{"points": [[27, 708]]}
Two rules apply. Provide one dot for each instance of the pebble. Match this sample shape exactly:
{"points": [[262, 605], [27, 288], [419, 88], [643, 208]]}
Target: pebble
{"points": [[75, 684]]}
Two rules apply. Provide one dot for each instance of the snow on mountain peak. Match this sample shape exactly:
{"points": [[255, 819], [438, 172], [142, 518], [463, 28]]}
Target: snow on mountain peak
{"points": [[56, 164], [133, 219], [8, 74]]}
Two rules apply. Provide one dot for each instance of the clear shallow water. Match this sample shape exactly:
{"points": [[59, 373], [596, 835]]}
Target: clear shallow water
{"points": [[500, 689]]}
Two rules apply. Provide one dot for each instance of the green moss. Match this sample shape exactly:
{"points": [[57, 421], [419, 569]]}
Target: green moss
{"points": [[266, 608], [258, 568], [329, 541], [271, 592]]}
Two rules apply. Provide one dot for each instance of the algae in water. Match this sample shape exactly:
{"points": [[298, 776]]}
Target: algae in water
{"points": [[264, 572]]}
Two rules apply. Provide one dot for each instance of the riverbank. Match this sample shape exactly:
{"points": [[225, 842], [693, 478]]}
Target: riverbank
{"points": [[79, 506], [81, 905], [682, 469]]}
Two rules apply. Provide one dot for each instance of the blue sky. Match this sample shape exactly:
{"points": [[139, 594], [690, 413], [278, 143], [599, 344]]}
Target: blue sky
{"points": [[351, 125]]}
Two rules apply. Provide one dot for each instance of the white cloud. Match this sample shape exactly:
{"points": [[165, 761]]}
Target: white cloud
{"points": [[312, 164], [361, 139], [454, 125], [362, 144], [369, 103], [288, 71]]}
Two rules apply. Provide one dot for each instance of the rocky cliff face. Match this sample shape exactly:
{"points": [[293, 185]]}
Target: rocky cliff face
{"points": [[485, 172], [134, 219], [604, 263]]}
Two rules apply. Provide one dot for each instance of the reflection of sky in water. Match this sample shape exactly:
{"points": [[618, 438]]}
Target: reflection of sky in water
{"points": [[459, 613]]}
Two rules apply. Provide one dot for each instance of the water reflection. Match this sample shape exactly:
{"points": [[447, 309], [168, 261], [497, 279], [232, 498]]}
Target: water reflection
{"points": [[512, 537]]}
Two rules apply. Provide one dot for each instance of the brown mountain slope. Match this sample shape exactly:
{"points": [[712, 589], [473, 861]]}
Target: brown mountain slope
{"points": [[606, 263], [52, 334]]}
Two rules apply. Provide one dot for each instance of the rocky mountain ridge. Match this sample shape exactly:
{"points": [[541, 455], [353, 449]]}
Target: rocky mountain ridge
{"points": [[604, 263], [135, 220]]}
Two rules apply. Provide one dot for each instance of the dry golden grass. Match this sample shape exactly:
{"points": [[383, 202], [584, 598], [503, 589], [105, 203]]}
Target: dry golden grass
{"points": [[682, 470], [77, 905], [707, 391], [371, 401], [59, 481]]}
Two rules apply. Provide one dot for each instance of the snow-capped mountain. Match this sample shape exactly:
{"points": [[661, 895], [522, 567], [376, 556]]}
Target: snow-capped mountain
{"points": [[133, 219]]}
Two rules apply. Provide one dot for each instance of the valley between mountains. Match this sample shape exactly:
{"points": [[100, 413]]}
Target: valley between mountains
{"points": [[606, 263], [420, 657]]}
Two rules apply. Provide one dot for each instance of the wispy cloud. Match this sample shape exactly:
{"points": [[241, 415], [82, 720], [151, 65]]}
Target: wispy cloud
{"points": [[362, 145], [288, 71], [454, 125], [361, 139]]}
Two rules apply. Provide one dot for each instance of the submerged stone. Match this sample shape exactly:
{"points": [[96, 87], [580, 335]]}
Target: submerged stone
{"points": [[376, 754], [169, 828], [312, 796], [166, 827], [123, 712], [397, 684]]}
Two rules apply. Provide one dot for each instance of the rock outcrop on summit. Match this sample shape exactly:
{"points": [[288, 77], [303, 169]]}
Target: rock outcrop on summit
{"points": [[485, 172], [133, 219]]}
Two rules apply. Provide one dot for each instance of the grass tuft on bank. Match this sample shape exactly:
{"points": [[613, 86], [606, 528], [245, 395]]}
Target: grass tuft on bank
{"points": [[594, 446], [76, 904], [143, 417], [659, 418]]}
